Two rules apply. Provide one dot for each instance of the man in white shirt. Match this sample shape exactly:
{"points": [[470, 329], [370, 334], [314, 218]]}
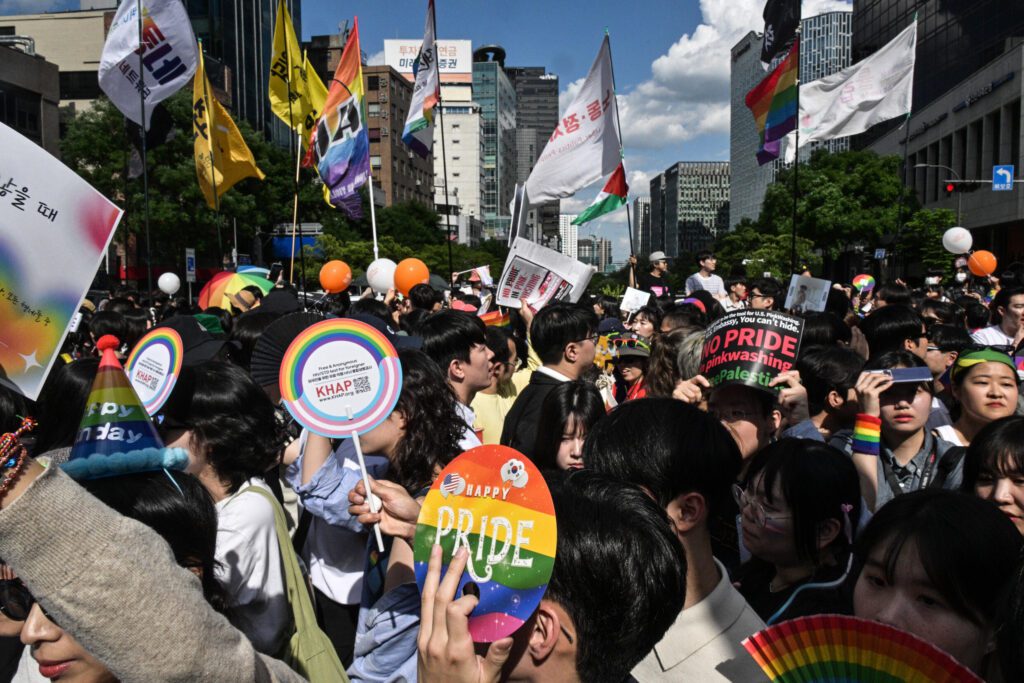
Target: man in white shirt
{"points": [[705, 278], [1008, 310]]}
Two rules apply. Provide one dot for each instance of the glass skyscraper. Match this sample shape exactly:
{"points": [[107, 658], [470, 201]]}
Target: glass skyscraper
{"points": [[494, 92]]}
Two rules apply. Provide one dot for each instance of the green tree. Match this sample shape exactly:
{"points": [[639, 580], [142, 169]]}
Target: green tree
{"points": [[920, 240]]}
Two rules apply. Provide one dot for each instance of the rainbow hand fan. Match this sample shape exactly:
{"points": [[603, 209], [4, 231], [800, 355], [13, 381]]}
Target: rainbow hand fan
{"points": [[831, 647]]}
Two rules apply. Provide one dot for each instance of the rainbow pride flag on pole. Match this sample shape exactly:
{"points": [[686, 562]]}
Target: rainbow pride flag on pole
{"points": [[773, 103]]}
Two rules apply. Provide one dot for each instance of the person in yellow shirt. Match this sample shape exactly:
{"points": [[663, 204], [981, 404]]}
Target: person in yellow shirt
{"points": [[492, 404]]}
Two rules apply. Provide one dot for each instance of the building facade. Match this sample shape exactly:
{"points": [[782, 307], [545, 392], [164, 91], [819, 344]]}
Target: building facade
{"points": [[568, 235], [657, 239], [825, 42], [493, 91], [402, 174], [642, 225], [29, 95], [954, 40], [536, 119], [692, 202], [463, 148], [962, 135]]}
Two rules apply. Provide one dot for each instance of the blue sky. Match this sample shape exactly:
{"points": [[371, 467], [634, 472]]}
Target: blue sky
{"points": [[671, 60]]}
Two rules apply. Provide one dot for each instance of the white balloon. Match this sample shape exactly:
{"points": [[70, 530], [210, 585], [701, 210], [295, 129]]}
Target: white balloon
{"points": [[169, 283], [381, 275], [957, 240]]}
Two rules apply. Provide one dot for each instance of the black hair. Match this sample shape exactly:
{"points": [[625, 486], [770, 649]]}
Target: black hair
{"points": [[433, 425], [684, 450], [652, 314], [894, 359], [497, 341], [823, 329], [578, 402], [662, 373], [769, 287], [337, 304], [977, 315], [967, 547], [949, 337], [180, 511], [231, 418], [135, 326], [888, 327], [370, 306], [893, 294], [61, 404], [817, 481], [734, 279], [1011, 631], [711, 305], [946, 312], [120, 304], [827, 369], [997, 450], [558, 325], [108, 322], [450, 335], [410, 322], [424, 297], [704, 255], [1002, 300], [685, 317], [13, 407], [608, 304], [247, 331], [225, 318], [619, 572]]}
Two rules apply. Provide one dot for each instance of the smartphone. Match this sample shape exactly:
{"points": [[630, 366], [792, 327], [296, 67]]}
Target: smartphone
{"points": [[901, 375], [275, 271]]}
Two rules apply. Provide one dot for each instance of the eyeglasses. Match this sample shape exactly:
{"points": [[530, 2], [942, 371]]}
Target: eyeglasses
{"points": [[731, 415], [595, 337], [761, 518], [16, 601]]}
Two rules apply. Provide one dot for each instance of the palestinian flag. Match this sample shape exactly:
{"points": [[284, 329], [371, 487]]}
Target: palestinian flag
{"points": [[611, 197]]}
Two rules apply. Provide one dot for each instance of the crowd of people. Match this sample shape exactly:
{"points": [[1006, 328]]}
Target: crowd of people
{"points": [[690, 515]]}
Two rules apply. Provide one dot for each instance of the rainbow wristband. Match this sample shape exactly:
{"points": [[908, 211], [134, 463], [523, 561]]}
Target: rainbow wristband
{"points": [[867, 434]]}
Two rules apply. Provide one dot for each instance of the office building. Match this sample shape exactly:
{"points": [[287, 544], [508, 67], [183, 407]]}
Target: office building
{"points": [[692, 202], [954, 40], [29, 94], [594, 251], [568, 235], [454, 58], [642, 226], [824, 50], [463, 145], [493, 91], [536, 119], [402, 174], [963, 134]]}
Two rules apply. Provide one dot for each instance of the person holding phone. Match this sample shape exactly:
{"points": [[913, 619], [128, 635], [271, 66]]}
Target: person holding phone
{"points": [[893, 450]]}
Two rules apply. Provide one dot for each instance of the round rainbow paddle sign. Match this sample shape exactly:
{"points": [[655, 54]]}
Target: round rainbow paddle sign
{"points": [[154, 365], [340, 378], [864, 282], [494, 501]]}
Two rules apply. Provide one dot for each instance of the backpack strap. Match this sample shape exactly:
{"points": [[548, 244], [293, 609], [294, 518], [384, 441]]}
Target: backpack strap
{"points": [[947, 463]]}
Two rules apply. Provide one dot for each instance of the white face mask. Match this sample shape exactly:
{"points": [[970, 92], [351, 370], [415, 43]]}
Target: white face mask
{"points": [[932, 280], [961, 277]]}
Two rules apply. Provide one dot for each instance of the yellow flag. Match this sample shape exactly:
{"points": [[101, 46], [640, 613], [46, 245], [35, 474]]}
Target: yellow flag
{"points": [[222, 157], [316, 95], [287, 87]]}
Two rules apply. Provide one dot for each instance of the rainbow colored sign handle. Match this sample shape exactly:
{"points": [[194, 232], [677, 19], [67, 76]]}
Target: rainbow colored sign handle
{"points": [[340, 378], [154, 365], [494, 501]]}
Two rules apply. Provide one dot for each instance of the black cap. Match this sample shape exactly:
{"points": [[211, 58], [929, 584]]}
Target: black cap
{"points": [[199, 344], [397, 340]]}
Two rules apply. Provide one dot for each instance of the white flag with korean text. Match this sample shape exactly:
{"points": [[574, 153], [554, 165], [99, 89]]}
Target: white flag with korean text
{"points": [[873, 90], [158, 59], [584, 147]]}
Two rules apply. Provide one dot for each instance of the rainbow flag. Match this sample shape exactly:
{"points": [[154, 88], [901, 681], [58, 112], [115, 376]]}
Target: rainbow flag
{"points": [[496, 319], [773, 102], [341, 143]]}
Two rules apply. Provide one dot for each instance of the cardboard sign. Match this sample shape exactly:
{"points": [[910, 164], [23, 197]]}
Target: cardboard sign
{"points": [[807, 294], [54, 230], [538, 275], [154, 365], [493, 501], [634, 299], [751, 348], [340, 378]]}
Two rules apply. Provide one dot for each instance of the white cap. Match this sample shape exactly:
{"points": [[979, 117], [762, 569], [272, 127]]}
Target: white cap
{"points": [[657, 256]]}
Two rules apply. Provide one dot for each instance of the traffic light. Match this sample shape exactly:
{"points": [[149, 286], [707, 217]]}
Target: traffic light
{"points": [[962, 186], [950, 187]]}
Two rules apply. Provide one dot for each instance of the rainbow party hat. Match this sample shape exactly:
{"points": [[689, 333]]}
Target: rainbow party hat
{"points": [[116, 435]]}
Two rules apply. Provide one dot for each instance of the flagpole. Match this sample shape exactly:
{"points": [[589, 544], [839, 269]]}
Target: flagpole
{"points": [[796, 161], [295, 188], [145, 159], [622, 153], [444, 155], [213, 161], [295, 217]]}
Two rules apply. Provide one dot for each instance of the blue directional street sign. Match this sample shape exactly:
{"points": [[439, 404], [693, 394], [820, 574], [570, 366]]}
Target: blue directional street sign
{"points": [[1002, 178]]}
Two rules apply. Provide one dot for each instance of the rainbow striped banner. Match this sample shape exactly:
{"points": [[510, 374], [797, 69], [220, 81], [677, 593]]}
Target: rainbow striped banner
{"points": [[496, 319], [773, 103], [495, 502]]}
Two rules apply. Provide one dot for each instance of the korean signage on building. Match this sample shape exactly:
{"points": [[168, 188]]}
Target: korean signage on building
{"points": [[454, 58]]}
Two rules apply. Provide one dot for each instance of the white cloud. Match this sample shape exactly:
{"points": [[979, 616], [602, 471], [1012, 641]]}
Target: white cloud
{"points": [[376, 59], [687, 94], [566, 97]]}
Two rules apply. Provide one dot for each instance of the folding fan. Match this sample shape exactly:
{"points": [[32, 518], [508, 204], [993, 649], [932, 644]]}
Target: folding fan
{"points": [[269, 350]]}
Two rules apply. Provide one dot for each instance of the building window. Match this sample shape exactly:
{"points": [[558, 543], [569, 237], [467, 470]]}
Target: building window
{"points": [[6, 30], [373, 83], [79, 85], [375, 161], [373, 109], [374, 134]]}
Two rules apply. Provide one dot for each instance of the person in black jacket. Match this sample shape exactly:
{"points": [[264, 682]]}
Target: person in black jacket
{"points": [[565, 339]]}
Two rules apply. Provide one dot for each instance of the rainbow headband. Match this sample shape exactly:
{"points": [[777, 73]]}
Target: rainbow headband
{"points": [[307, 386], [969, 359], [162, 340]]}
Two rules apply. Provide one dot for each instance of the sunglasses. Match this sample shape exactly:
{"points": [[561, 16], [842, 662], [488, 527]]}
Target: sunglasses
{"points": [[16, 601]]}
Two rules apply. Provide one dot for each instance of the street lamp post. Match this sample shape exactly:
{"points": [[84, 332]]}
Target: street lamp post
{"points": [[956, 176]]}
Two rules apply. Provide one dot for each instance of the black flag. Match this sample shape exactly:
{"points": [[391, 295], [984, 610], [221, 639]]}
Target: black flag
{"points": [[781, 20]]}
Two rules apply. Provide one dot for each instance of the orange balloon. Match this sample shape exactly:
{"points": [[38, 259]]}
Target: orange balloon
{"points": [[409, 273], [335, 276], [982, 263]]}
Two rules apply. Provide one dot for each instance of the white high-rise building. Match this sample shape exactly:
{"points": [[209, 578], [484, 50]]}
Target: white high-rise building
{"points": [[462, 153], [824, 50], [568, 235]]}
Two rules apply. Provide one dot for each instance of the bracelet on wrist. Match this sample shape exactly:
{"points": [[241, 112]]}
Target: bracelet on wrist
{"points": [[867, 434]]}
